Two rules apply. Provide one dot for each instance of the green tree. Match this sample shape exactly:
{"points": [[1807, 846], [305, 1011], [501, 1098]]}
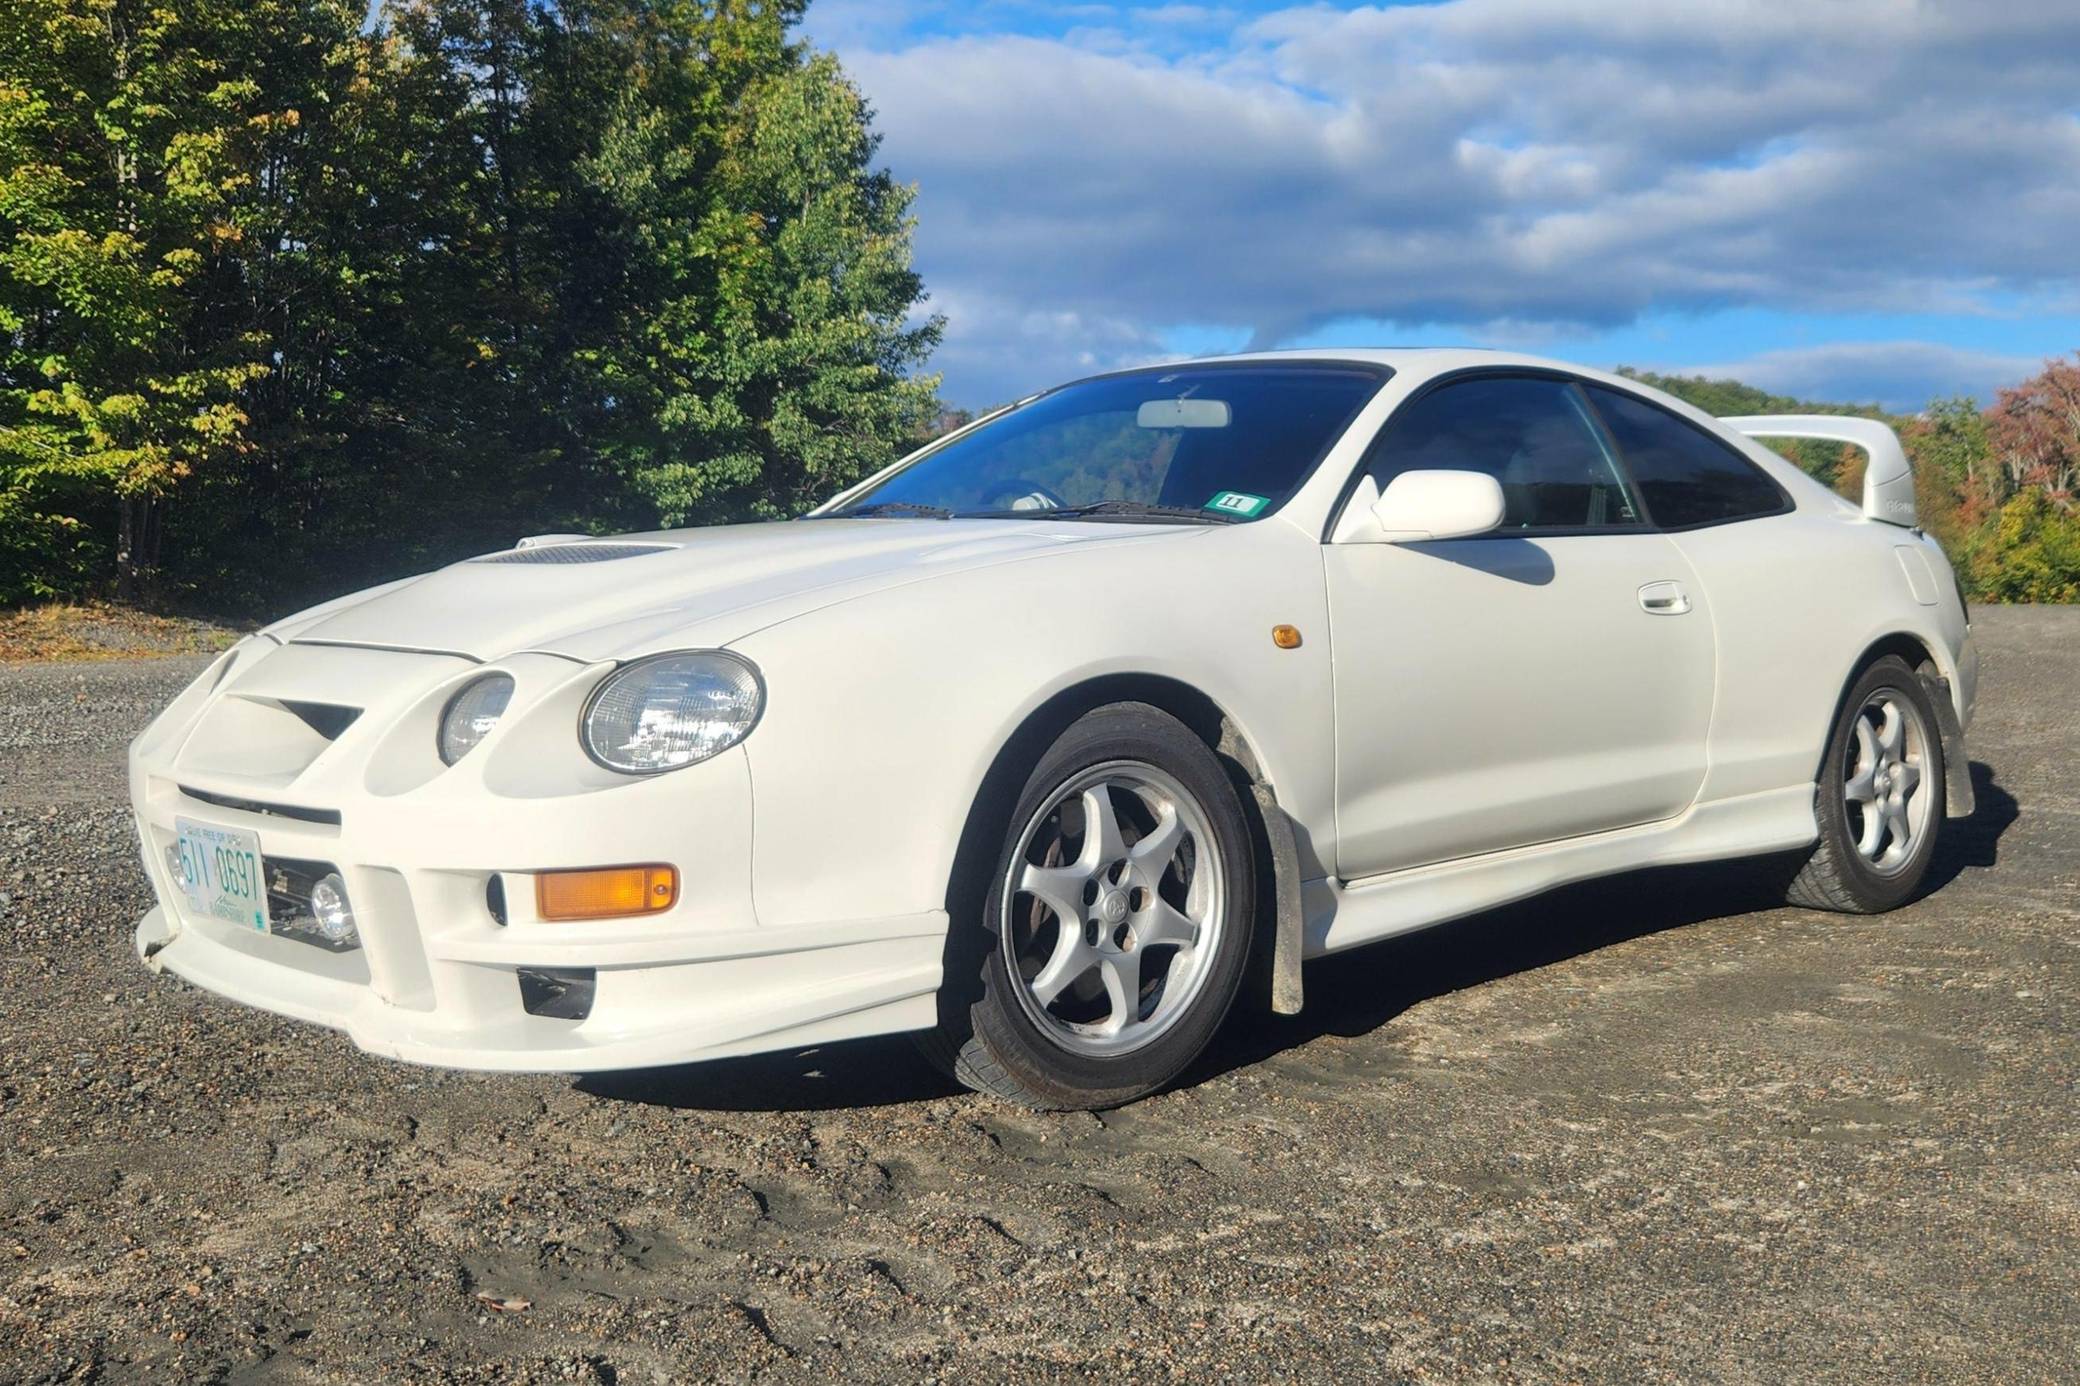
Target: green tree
{"points": [[298, 300], [2032, 553], [127, 135], [1948, 447], [764, 353]]}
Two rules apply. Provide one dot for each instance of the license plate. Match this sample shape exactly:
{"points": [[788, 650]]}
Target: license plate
{"points": [[221, 873]]}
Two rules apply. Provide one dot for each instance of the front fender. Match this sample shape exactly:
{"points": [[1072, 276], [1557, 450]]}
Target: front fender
{"points": [[885, 714]]}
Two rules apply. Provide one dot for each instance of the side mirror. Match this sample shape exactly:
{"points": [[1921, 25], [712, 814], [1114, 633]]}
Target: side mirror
{"points": [[1421, 506]]}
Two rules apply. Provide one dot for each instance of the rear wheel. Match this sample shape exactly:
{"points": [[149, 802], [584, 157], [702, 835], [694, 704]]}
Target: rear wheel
{"points": [[1116, 923], [1880, 796]]}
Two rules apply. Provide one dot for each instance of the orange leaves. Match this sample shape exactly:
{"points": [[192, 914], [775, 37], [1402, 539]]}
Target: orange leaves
{"points": [[2034, 430]]}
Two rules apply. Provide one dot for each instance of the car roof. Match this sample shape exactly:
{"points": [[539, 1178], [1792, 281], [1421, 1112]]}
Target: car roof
{"points": [[1403, 360], [1413, 365]]}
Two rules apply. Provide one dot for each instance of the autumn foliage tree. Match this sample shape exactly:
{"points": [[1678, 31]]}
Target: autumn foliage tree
{"points": [[2023, 493]]}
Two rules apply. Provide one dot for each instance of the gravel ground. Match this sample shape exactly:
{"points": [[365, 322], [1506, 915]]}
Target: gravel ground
{"points": [[1647, 1130]]}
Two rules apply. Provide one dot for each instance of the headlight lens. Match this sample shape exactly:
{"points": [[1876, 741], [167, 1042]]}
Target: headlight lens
{"points": [[672, 710], [472, 713]]}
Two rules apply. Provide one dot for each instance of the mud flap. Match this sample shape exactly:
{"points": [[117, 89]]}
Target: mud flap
{"points": [[1958, 795], [1286, 940]]}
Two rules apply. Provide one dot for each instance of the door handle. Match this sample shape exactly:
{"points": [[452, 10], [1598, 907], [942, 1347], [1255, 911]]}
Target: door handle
{"points": [[1664, 599]]}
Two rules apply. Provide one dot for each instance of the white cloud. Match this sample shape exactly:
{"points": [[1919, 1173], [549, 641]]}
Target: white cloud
{"points": [[1569, 163], [1901, 376]]}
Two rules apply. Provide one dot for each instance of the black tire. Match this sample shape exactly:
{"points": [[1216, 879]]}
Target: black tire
{"points": [[1837, 876], [988, 1037]]}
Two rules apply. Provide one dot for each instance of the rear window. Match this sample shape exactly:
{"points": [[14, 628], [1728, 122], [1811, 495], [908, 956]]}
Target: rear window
{"points": [[1687, 477]]}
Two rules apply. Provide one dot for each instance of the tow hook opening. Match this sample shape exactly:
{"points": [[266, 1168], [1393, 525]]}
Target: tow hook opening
{"points": [[557, 993]]}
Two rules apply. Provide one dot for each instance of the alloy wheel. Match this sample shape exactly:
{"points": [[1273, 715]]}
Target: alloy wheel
{"points": [[1112, 908], [1883, 781]]}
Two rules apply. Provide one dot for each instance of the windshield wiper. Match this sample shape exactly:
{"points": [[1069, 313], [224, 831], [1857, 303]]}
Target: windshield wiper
{"points": [[892, 507], [1110, 509]]}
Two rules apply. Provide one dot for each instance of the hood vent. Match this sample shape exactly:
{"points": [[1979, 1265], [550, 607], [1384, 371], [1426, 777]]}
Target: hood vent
{"points": [[326, 719], [574, 553]]}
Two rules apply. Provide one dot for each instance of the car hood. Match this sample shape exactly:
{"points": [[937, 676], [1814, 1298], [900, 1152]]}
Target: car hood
{"points": [[624, 596]]}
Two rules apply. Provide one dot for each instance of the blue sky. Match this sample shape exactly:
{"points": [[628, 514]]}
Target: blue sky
{"points": [[1847, 199]]}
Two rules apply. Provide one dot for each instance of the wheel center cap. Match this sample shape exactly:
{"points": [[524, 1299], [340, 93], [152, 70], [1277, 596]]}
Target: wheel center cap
{"points": [[1113, 908]]}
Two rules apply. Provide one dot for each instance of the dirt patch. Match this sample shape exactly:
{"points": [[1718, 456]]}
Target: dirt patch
{"points": [[103, 630]]}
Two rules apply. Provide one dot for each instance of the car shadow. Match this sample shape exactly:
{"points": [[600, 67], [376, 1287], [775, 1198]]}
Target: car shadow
{"points": [[1368, 987], [1360, 991], [878, 1072], [1354, 995], [1973, 843]]}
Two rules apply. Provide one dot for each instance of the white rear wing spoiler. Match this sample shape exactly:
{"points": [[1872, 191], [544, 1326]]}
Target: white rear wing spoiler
{"points": [[1888, 482]]}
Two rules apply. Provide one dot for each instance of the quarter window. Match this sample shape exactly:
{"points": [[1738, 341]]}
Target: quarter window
{"points": [[1687, 477], [1532, 434]]}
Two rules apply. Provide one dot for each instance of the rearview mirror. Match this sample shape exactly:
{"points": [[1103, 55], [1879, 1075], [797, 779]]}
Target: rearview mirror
{"points": [[1183, 413], [1426, 505]]}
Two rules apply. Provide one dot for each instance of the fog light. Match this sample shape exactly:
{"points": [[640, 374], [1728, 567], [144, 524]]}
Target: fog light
{"points": [[330, 911], [177, 866], [605, 893]]}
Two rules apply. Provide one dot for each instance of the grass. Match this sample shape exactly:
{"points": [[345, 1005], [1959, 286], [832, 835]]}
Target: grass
{"points": [[102, 630]]}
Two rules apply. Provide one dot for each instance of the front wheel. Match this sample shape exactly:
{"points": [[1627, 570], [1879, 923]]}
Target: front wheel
{"points": [[1116, 923], [1880, 796]]}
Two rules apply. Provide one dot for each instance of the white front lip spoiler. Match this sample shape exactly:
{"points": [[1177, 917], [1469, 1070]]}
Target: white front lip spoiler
{"points": [[746, 992]]}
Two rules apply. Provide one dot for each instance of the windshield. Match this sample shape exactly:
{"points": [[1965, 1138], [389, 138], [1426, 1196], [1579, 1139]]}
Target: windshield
{"points": [[1195, 443]]}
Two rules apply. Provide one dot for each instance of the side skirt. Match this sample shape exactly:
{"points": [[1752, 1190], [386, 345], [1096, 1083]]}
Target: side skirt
{"points": [[1345, 914]]}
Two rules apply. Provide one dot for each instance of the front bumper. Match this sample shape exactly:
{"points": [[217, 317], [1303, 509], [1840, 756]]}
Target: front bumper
{"points": [[750, 993], [437, 976]]}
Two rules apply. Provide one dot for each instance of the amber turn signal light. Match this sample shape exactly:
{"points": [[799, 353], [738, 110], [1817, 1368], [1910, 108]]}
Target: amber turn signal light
{"points": [[608, 892], [1286, 637]]}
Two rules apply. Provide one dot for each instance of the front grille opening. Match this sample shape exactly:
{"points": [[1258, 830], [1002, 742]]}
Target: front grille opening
{"points": [[230, 801], [289, 910], [557, 993], [326, 719], [495, 899]]}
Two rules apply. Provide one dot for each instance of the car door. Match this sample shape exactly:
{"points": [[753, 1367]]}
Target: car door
{"points": [[1547, 680]]}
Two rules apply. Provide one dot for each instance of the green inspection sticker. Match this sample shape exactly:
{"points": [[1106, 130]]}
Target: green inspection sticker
{"points": [[1237, 503]]}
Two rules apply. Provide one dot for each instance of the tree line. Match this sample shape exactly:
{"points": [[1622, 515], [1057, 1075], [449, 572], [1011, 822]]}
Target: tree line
{"points": [[1995, 486], [293, 296]]}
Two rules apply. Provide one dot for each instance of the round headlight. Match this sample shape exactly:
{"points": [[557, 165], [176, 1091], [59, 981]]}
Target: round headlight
{"points": [[671, 710], [472, 713]]}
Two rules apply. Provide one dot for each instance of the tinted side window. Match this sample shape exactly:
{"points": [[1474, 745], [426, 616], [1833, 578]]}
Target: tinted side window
{"points": [[1686, 476], [1532, 435]]}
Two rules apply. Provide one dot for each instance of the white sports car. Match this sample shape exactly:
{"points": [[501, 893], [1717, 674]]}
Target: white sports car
{"points": [[1046, 738]]}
